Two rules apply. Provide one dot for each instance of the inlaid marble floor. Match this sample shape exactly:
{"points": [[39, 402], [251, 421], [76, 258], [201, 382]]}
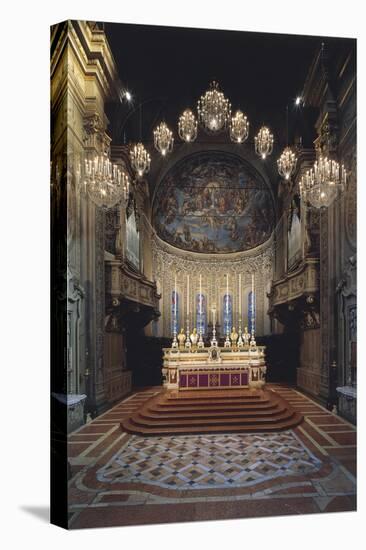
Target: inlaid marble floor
{"points": [[205, 461], [123, 479]]}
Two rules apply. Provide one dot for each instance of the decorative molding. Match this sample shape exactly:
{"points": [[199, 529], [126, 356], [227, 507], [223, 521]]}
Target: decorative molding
{"points": [[125, 284], [302, 282], [168, 262]]}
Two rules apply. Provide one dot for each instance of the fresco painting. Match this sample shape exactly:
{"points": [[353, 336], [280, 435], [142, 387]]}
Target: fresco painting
{"points": [[213, 203]]}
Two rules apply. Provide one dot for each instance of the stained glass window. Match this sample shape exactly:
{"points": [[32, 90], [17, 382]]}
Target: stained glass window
{"points": [[175, 309], [251, 311], [227, 311], [201, 318]]}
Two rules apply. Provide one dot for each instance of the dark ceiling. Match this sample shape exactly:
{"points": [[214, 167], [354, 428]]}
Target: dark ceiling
{"points": [[167, 69]]}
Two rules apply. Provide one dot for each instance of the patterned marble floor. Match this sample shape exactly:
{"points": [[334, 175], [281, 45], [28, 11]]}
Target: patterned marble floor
{"points": [[122, 479], [205, 461]]}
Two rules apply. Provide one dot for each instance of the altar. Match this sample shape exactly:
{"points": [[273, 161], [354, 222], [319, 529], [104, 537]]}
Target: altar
{"points": [[214, 368]]}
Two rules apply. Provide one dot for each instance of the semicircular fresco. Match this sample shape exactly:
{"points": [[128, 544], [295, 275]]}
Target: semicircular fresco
{"points": [[213, 202]]}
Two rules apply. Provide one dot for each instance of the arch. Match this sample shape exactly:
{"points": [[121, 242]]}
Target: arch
{"points": [[213, 202]]}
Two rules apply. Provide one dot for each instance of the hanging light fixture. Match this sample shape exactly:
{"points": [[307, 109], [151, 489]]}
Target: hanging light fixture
{"points": [[321, 184], [287, 163], [187, 126], [104, 182], [140, 159], [239, 127], [214, 110], [163, 139], [263, 142]]}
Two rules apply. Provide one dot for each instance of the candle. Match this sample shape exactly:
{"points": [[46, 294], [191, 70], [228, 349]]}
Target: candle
{"points": [[252, 302], [175, 297], [187, 296], [200, 297], [227, 293], [227, 303], [240, 295]]}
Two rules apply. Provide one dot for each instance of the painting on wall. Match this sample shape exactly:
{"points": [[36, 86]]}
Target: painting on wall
{"points": [[213, 202]]}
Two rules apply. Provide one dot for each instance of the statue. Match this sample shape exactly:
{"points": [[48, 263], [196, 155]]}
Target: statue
{"points": [[234, 338], [181, 338], [194, 339], [246, 337]]}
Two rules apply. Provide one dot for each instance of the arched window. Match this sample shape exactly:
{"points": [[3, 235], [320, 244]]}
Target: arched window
{"points": [[201, 318], [251, 311], [175, 310], [227, 313], [132, 240]]}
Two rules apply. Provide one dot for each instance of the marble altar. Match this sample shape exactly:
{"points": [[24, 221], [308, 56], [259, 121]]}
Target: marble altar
{"points": [[214, 368]]}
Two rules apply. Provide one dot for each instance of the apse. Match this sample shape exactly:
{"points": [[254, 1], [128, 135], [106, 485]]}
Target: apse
{"points": [[213, 202]]}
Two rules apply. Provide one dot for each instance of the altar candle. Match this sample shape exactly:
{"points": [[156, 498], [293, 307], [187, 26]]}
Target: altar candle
{"points": [[175, 297], [187, 295], [239, 295], [200, 297], [253, 295], [227, 293]]}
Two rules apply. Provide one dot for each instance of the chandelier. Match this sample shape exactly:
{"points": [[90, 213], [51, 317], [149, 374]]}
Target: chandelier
{"points": [[187, 126], [239, 127], [263, 142], [287, 163], [140, 159], [214, 109], [321, 184], [104, 182], [163, 139]]}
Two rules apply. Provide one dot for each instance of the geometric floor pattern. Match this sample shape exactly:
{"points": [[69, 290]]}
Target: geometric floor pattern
{"points": [[204, 461], [120, 479]]}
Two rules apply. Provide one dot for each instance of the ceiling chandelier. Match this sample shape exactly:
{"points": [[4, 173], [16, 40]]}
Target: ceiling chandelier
{"points": [[140, 159], [104, 182], [263, 142], [287, 163], [321, 184], [239, 127], [163, 139], [214, 109], [187, 126]]}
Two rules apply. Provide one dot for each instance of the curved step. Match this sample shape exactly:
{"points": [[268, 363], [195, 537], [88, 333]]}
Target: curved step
{"points": [[151, 422], [212, 413], [149, 414], [163, 407], [249, 428]]}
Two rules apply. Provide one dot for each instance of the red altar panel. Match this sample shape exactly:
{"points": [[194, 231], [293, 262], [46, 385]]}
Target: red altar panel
{"points": [[210, 380]]}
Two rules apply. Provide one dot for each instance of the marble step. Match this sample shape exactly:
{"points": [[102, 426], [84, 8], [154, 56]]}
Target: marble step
{"points": [[212, 412], [157, 408], [141, 418], [253, 427]]}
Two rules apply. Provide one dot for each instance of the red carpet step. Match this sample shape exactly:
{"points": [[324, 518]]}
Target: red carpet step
{"points": [[173, 412]]}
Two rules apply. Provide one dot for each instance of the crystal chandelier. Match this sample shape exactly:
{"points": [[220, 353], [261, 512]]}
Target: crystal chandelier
{"points": [[321, 184], [263, 142], [187, 126], [163, 139], [214, 110], [140, 159], [287, 163], [104, 182], [239, 127]]}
